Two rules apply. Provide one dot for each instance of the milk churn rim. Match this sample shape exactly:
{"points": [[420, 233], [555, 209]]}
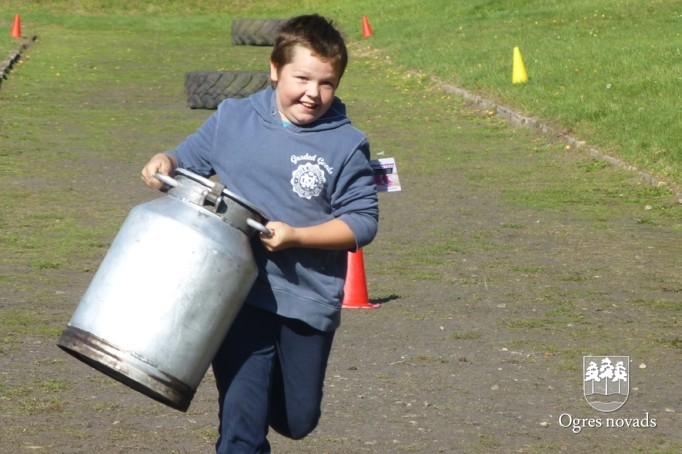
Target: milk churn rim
{"points": [[226, 192]]}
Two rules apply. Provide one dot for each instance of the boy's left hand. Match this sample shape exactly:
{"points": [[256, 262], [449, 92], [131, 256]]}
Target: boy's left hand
{"points": [[283, 236]]}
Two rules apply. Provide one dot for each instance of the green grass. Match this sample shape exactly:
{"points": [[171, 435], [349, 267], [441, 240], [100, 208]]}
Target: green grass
{"points": [[606, 73], [21, 322]]}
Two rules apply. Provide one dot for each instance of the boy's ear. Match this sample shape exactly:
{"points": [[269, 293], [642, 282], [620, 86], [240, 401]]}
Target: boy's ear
{"points": [[274, 76]]}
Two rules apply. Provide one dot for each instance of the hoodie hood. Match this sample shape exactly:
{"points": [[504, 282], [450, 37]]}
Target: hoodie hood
{"points": [[265, 105]]}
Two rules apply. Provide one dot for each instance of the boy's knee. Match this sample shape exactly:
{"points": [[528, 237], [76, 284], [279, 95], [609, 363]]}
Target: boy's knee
{"points": [[297, 426]]}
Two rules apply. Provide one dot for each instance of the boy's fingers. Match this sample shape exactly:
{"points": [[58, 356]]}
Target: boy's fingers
{"points": [[149, 179]]}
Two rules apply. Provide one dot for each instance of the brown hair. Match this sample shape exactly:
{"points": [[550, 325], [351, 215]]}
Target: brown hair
{"points": [[313, 32]]}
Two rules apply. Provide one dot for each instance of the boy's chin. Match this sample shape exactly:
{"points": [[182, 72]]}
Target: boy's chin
{"points": [[305, 119]]}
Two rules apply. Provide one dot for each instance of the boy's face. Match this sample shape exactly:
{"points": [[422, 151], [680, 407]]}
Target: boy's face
{"points": [[305, 87]]}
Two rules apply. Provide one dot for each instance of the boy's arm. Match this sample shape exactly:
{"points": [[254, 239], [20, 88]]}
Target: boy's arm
{"points": [[334, 234]]}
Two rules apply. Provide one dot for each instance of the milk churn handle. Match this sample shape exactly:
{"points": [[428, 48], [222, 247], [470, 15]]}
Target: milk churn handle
{"points": [[258, 226], [172, 182]]}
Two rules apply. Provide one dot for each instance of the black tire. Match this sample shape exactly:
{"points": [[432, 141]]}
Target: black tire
{"points": [[206, 89], [255, 32]]}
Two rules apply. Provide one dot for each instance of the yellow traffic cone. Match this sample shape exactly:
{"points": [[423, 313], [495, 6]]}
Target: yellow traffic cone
{"points": [[519, 75]]}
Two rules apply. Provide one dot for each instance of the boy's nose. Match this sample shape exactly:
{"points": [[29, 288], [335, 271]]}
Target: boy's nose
{"points": [[313, 90]]}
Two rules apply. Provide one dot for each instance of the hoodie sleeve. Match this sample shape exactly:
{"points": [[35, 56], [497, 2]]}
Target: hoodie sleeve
{"points": [[355, 199], [196, 151]]}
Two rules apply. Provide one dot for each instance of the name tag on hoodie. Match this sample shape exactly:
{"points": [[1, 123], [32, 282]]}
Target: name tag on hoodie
{"points": [[385, 175]]}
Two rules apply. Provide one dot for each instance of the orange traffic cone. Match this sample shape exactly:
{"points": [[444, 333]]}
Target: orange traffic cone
{"points": [[366, 29], [355, 289], [16, 28]]}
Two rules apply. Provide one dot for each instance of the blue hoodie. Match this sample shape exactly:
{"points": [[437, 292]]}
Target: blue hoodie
{"points": [[300, 175]]}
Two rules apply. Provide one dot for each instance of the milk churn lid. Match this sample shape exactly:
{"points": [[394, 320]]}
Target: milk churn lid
{"points": [[217, 191]]}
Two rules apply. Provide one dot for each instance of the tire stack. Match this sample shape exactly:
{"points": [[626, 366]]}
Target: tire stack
{"points": [[206, 89]]}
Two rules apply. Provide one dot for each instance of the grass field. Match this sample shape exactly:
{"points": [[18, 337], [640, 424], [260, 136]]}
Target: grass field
{"points": [[605, 73]]}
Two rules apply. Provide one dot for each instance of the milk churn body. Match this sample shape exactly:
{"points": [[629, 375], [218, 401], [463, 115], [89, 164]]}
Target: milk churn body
{"points": [[167, 292]]}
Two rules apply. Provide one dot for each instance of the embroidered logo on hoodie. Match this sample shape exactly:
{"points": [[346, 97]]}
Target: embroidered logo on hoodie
{"points": [[308, 179]]}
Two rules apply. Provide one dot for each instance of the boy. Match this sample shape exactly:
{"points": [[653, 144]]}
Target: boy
{"points": [[290, 151]]}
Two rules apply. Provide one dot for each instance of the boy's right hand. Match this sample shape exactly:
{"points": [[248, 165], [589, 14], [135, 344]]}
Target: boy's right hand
{"points": [[159, 163]]}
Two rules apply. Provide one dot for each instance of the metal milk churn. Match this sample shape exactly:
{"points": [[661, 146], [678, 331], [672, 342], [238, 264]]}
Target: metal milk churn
{"points": [[168, 289]]}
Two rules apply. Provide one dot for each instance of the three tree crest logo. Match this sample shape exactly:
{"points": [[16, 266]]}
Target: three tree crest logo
{"points": [[606, 381]]}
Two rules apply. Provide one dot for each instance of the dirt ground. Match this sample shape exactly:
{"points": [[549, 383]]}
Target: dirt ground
{"points": [[487, 310]]}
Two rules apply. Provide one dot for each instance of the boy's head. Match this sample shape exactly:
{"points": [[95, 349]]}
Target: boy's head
{"points": [[306, 65], [315, 33]]}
